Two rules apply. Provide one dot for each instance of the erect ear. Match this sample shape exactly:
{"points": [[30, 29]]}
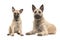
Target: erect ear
{"points": [[42, 7], [33, 7], [13, 9], [20, 10]]}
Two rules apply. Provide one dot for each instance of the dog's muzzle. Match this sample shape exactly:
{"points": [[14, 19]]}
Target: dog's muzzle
{"points": [[37, 16], [16, 17]]}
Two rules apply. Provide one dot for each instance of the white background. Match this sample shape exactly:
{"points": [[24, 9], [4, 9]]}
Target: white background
{"points": [[51, 14]]}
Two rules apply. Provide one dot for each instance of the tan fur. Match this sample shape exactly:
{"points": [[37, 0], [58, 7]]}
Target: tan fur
{"points": [[16, 26], [16, 11], [47, 27], [50, 28]]}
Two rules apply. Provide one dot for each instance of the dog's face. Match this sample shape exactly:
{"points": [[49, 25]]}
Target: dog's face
{"points": [[16, 13], [38, 13]]}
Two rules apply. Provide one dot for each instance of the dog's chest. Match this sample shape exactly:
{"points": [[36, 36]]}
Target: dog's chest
{"points": [[16, 26], [38, 25]]}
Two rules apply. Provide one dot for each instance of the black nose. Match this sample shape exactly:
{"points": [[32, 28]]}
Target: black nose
{"points": [[37, 16]]}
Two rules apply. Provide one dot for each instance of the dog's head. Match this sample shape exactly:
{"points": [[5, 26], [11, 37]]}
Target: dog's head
{"points": [[16, 13], [38, 13]]}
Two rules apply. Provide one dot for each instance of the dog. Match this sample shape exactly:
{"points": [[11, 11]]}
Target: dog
{"points": [[16, 26], [40, 25]]}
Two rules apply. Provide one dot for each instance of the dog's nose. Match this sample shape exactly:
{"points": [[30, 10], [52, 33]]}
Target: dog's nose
{"points": [[37, 16]]}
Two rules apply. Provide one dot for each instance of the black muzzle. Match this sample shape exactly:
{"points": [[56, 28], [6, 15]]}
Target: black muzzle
{"points": [[16, 17], [37, 16]]}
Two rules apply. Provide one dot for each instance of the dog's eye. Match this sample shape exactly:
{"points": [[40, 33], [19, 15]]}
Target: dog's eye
{"points": [[35, 12], [39, 12]]}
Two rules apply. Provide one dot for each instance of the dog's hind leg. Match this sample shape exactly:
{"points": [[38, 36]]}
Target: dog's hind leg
{"points": [[43, 31]]}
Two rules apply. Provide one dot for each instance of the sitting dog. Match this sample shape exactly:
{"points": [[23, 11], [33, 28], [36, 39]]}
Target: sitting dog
{"points": [[16, 23], [40, 25]]}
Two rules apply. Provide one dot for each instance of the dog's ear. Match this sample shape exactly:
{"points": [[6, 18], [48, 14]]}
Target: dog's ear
{"points": [[33, 7], [42, 7], [13, 9], [20, 10]]}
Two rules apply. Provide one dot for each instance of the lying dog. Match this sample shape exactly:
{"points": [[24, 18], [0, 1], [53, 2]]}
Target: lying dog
{"points": [[40, 25], [16, 23]]}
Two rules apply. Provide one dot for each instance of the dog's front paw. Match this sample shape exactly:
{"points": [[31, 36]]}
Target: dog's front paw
{"points": [[21, 34], [8, 34], [12, 34], [28, 33], [39, 35], [18, 33]]}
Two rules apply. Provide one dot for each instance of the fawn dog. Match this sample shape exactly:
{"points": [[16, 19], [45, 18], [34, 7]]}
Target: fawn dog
{"points": [[16, 26], [40, 25]]}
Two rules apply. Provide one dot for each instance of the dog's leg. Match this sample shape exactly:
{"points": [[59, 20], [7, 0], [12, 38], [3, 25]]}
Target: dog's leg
{"points": [[12, 30], [9, 31], [31, 32], [43, 32], [20, 29]]}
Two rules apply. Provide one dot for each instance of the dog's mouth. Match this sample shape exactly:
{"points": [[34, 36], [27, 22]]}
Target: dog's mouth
{"points": [[16, 20], [37, 16]]}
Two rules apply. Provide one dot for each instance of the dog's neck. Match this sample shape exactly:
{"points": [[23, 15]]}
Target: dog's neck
{"points": [[38, 21]]}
